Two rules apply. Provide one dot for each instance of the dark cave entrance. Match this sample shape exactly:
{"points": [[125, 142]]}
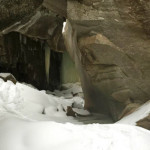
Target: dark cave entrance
{"points": [[24, 57], [34, 62]]}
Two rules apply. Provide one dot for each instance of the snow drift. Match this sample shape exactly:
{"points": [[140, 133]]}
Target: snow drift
{"points": [[33, 120], [18, 134]]}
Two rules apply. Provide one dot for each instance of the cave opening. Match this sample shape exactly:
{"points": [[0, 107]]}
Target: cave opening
{"points": [[33, 61]]}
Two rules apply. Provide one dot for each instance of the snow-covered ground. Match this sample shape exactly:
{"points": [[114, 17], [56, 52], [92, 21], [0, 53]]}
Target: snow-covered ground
{"points": [[26, 102], [33, 120], [16, 134]]}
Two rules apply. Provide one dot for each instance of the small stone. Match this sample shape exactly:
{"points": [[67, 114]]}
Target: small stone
{"points": [[70, 112]]}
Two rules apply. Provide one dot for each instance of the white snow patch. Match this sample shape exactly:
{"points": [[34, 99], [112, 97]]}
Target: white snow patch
{"points": [[69, 90], [81, 111], [26, 102], [139, 114], [18, 134]]}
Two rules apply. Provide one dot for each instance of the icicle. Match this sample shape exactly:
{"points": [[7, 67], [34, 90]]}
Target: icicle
{"points": [[41, 43], [64, 25], [24, 40], [47, 61], [20, 37], [21, 40]]}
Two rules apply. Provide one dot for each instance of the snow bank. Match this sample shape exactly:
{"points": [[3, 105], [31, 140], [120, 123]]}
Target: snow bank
{"points": [[29, 103], [28, 121], [137, 115], [16, 134], [9, 97], [68, 90]]}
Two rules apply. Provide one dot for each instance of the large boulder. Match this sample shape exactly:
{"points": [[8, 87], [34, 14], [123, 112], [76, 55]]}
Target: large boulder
{"points": [[109, 42]]}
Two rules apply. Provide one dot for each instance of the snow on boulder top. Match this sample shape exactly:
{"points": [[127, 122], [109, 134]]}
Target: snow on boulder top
{"points": [[81, 112], [137, 115], [4, 75]]}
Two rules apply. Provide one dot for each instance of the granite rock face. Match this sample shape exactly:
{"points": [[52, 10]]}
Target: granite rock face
{"points": [[111, 47], [13, 11]]}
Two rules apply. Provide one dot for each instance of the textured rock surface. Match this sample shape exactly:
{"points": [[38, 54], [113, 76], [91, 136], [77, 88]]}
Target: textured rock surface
{"points": [[41, 24], [13, 11], [59, 7], [145, 123], [25, 30], [110, 39]]}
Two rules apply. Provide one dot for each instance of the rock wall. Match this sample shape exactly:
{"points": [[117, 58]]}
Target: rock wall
{"points": [[13, 11], [110, 39]]}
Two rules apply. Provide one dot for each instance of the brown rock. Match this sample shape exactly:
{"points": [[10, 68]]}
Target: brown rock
{"points": [[70, 112], [145, 123], [59, 7], [111, 52]]}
